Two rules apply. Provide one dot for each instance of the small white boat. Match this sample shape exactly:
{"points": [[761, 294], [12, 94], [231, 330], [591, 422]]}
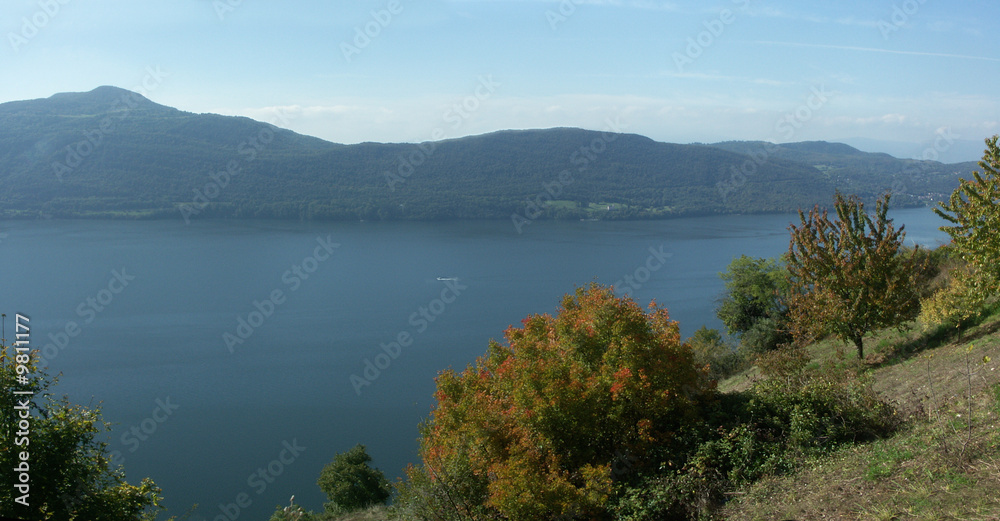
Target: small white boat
{"points": [[448, 278]]}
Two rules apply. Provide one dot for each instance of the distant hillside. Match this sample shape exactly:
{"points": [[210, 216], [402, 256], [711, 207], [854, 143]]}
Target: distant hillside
{"points": [[867, 174], [953, 150], [113, 153]]}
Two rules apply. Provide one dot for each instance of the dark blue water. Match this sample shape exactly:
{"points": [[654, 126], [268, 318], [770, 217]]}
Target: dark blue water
{"points": [[134, 315]]}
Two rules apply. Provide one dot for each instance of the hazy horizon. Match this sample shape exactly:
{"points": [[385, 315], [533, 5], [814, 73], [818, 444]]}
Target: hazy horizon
{"points": [[392, 71], [955, 150]]}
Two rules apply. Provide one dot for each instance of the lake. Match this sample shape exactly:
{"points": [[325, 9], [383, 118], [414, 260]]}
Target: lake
{"points": [[237, 357]]}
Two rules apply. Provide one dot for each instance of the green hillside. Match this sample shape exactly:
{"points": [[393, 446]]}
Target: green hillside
{"points": [[867, 174], [939, 465], [113, 153]]}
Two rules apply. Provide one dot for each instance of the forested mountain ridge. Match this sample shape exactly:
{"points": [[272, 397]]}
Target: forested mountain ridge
{"points": [[869, 174], [113, 153]]}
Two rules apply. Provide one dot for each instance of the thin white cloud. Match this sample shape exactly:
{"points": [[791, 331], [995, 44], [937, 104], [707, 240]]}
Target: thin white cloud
{"points": [[856, 22], [940, 26], [727, 78], [635, 4], [875, 50], [892, 119], [773, 12]]}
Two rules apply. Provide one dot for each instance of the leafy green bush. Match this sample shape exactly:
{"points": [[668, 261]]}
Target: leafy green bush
{"points": [[351, 484], [766, 334], [792, 413], [676, 495], [826, 410], [722, 359], [955, 304], [818, 406]]}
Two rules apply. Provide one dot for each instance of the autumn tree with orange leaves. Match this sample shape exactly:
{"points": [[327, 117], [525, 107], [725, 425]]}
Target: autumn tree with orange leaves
{"points": [[546, 425], [850, 276]]}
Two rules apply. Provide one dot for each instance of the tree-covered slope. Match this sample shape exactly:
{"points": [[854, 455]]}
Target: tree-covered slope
{"points": [[113, 153], [864, 173]]}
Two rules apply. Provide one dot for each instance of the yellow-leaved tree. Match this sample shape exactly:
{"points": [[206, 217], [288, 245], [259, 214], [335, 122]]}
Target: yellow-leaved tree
{"points": [[974, 213]]}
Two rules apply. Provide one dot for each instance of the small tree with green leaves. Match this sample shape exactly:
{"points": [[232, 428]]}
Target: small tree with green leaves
{"points": [[974, 212], [754, 306], [71, 474], [849, 276], [351, 484]]}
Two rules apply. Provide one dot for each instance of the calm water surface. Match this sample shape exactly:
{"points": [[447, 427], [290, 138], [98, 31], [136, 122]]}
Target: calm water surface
{"points": [[154, 301]]}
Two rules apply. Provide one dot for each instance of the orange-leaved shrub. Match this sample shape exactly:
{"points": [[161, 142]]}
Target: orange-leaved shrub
{"points": [[548, 424]]}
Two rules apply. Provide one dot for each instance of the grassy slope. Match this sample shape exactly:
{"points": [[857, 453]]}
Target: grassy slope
{"points": [[933, 468]]}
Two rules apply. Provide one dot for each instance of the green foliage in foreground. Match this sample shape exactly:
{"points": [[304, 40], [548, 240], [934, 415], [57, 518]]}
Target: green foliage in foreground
{"points": [[792, 414], [71, 474], [941, 464]]}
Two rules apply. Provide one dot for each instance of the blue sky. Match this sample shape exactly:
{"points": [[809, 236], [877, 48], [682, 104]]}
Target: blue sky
{"points": [[903, 71]]}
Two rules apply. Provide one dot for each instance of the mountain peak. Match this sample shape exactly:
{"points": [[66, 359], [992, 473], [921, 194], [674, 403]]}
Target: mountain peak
{"points": [[104, 99]]}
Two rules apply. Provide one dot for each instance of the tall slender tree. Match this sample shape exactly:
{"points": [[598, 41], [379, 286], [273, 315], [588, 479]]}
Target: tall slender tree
{"points": [[849, 276], [974, 212]]}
